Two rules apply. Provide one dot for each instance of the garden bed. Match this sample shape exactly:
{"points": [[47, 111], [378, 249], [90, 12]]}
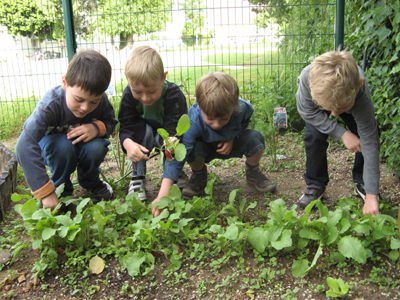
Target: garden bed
{"points": [[209, 272]]}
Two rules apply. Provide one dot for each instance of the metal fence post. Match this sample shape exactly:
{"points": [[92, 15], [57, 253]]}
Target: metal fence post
{"points": [[69, 28], [339, 24]]}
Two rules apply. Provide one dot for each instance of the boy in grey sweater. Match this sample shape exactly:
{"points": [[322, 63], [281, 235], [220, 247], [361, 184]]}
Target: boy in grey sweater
{"points": [[333, 83]]}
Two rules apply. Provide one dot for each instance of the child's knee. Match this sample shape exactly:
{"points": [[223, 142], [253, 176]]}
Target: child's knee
{"points": [[96, 148]]}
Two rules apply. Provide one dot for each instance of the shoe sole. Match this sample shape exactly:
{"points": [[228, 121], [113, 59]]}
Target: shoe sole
{"points": [[190, 193], [269, 189]]}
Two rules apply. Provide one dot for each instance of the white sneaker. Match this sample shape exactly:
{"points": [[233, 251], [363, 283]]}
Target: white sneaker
{"points": [[138, 186]]}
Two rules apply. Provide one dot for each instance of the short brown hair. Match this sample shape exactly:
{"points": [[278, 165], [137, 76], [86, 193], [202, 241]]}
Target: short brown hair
{"points": [[334, 79], [89, 70], [217, 95], [143, 65]]}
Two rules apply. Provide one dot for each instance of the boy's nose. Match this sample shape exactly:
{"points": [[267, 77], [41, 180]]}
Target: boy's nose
{"points": [[145, 97], [84, 106]]}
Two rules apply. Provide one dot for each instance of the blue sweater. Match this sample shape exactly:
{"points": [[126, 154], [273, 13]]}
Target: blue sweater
{"points": [[198, 128]]}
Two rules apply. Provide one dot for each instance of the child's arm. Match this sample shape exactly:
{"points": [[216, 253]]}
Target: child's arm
{"points": [[371, 205], [166, 183], [174, 107]]}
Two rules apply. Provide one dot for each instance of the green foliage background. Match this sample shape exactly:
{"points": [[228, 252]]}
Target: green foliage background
{"points": [[371, 34]]}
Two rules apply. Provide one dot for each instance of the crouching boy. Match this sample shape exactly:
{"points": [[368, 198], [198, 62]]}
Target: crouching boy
{"points": [[68, 131], [218, 129]]}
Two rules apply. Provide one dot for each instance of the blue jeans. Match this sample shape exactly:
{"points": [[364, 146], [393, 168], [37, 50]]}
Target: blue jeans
{"points": [[63, 158], [248, 143], [316, 145], [150, 140]]}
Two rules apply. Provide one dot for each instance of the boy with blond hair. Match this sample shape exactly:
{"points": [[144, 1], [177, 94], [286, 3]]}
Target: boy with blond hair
{"points": [[333, 83], [68, 131], [218, 129], [149, 102]]}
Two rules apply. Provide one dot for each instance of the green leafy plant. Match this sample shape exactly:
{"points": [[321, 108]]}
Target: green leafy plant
{"points": [[178, 149], [338, 288]]}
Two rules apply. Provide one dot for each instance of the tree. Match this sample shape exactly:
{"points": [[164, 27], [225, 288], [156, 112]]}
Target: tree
{"points": [[28, 18], [195, 19], [44, 19], [124, 18]]}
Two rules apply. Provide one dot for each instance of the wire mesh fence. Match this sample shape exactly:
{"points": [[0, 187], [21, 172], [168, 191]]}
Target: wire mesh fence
{"points": [[263, 46]]}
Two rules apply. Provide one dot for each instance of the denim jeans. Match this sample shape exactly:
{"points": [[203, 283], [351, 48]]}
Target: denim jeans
{"points": [[316, 145], [63, 158], [150, 140], [249, 143]]}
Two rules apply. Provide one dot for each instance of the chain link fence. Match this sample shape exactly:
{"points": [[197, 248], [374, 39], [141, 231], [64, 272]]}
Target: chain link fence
{"points": [[264, 46]]}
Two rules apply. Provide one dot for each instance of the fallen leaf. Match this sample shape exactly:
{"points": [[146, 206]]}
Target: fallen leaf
{"points": [[35, 280], [28, 287], [96, 264], [21, 278]]}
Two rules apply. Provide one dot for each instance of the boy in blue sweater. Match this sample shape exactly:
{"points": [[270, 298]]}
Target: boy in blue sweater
{"points": [[218, 129], [68, 131]]}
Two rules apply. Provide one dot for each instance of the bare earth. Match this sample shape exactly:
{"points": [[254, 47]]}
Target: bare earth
{"points": [[185, 285]]}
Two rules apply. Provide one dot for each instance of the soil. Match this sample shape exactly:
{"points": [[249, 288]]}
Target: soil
{"points": [[203, 282]]}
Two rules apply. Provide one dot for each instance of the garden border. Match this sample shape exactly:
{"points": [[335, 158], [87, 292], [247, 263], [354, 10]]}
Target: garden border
{"points": [[8, 179]]}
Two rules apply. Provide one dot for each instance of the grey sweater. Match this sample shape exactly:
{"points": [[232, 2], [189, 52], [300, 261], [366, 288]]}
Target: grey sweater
{"points": [[364, 116]]}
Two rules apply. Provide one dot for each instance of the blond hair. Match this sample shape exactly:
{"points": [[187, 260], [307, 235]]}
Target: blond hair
{"points": [[334, 80], [90, 71], [217, 95], [144, 64]]}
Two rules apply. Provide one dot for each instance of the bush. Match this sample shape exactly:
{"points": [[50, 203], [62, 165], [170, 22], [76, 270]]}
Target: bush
{"points": [[374, 25]]}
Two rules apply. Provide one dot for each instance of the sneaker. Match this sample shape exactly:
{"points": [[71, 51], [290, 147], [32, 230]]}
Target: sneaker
{"points": [[182, 180], [313, 192], [137, 185], [360, 191], [259, 180], [196, 184], [102, 191]]}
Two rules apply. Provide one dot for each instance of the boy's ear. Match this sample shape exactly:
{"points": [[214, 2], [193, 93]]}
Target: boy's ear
{"points": [[361, 82], [165, 75], [195, 99], [64, 83]]}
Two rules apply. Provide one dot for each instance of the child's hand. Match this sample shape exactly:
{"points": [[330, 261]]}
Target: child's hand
{"points": [[351, 141], [171, 140], [371, 206], [166, 183], [225, 148], [50, 201], [84, 133], [134, 151], [155, 210]]}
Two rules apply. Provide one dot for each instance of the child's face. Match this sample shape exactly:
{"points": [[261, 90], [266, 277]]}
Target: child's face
{"points": [[79, 101], [148, 95], [216, 123]]}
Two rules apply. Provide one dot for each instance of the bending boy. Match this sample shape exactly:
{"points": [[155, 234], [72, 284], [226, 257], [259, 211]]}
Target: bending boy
{"points": [[333, 83], [218, 129], [149, 102], [68, 131]]}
